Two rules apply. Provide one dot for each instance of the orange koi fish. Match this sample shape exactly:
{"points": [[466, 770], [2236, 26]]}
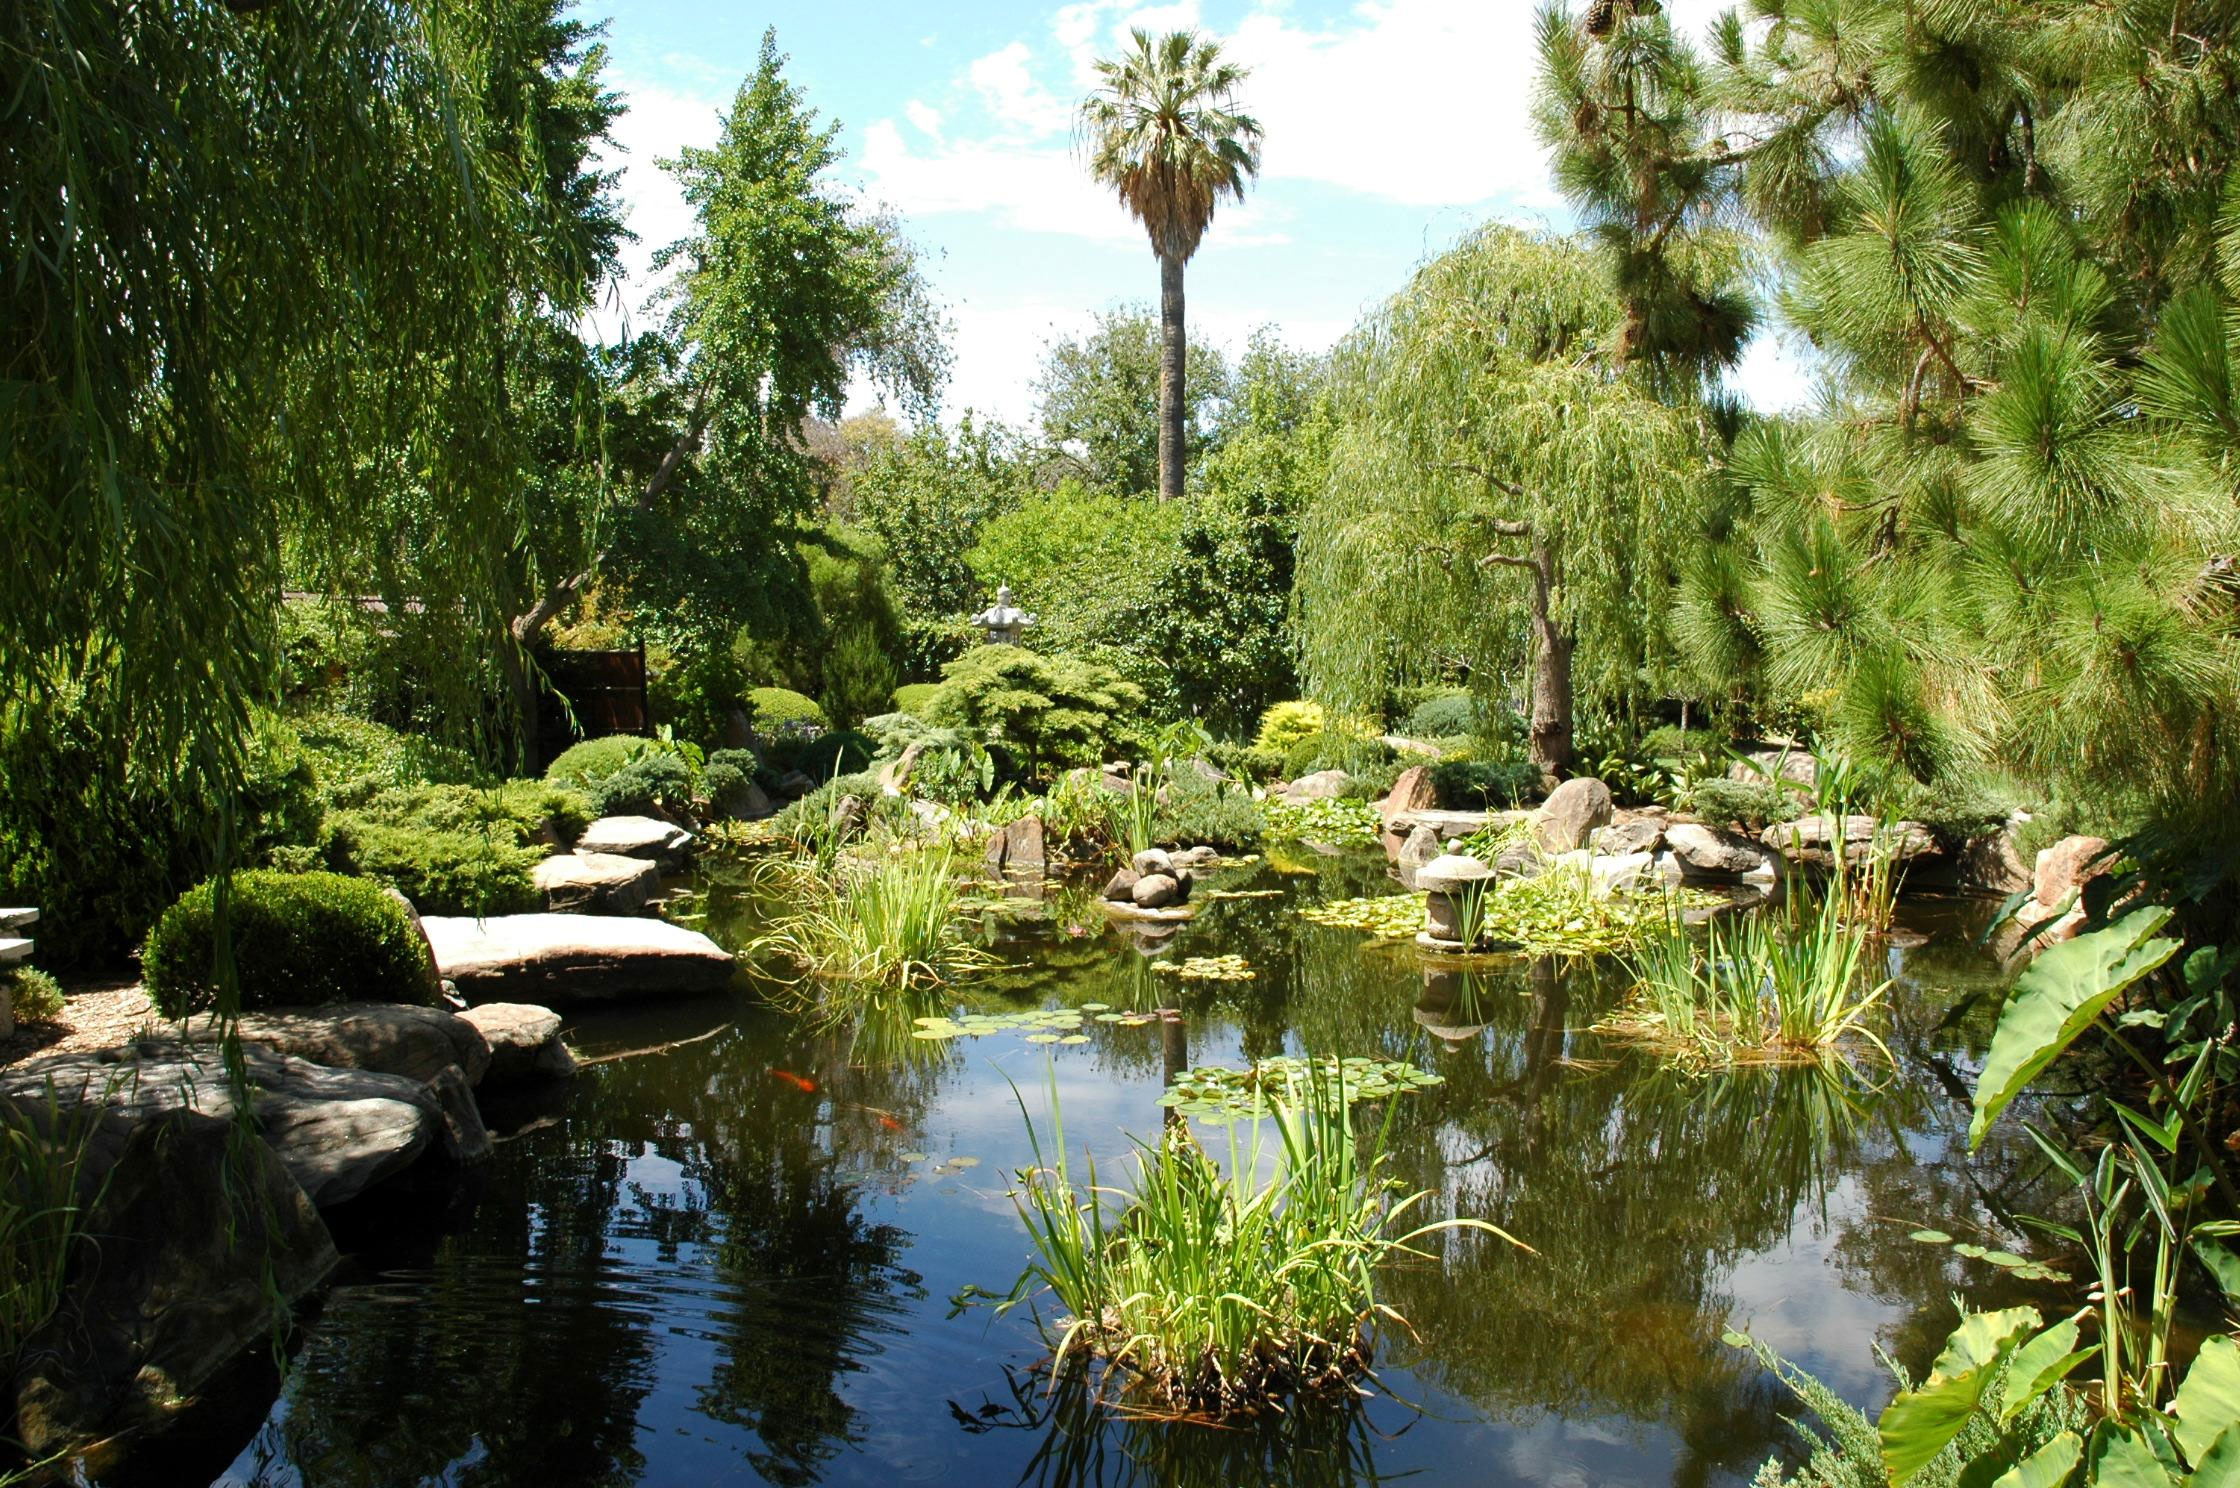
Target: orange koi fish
{"points": [[798, 1082]]}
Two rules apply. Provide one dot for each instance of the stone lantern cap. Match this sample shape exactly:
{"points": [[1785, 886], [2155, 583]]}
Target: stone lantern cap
{"points": [[1444, 875], [1003, 620]]}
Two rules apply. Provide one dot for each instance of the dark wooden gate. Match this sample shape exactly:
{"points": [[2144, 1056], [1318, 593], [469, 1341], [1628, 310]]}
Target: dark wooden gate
{"points": [[605, 691]]}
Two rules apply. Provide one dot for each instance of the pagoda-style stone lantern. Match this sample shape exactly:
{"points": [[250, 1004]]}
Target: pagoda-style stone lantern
{"points": [[1003, 622], [1446, 883]]}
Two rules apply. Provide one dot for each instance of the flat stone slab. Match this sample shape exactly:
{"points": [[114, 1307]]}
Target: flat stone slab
{"points": [[18, 919], [1450, 824], [14, 948], [636, 837], [560, 959], [338, 1131], [596, 883]]}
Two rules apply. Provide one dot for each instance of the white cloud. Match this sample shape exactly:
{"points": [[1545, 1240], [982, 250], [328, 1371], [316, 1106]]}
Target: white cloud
{"points": [[1012, 95], [660, 121], [925, 116]]}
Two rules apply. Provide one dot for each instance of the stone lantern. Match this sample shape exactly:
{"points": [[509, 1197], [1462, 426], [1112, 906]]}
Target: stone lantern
{"points": [[1003, 622], [1445, 881]]}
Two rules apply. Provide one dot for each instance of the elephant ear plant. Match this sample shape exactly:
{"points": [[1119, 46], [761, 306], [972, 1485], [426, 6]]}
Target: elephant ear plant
{"points": [[2005, 1403]]}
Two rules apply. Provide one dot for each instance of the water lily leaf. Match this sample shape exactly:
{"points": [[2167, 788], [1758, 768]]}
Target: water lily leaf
{"points": [[963, 1161], [1075, 1038], [1971, 1251], [2209, 1400], [1918, 1424], [2057, 998], [1732, 1339], [1931, 1237], [2005, 1259], [935, 1033], [1042, 1038], [1095, 1007], [915, 1157], [2049, 1465]]}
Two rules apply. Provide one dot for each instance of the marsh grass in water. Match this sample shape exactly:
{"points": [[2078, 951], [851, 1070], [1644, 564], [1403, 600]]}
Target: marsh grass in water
{"points": [[42, 1147], [890, 919], [1764, 988], [1218, 1290]]}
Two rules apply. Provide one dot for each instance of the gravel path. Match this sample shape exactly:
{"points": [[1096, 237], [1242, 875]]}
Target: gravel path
{"points": [[99, 1015]]}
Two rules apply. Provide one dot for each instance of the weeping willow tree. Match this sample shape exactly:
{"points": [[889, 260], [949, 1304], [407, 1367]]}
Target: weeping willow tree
{"points": [[2012, 233], [268, 269], [1501, 495]]}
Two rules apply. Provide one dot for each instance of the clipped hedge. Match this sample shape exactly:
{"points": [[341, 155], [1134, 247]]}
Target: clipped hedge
{"points": [[775, 707], [916, 697], [299, 940], [456, 849]]}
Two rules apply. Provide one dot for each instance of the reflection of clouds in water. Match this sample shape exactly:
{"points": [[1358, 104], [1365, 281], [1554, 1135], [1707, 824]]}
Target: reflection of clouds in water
{"points": [[1792, 1299], [1587, 1454]]}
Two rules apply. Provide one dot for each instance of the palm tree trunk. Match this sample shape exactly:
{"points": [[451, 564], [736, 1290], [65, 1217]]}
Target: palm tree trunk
{"points": [[1551, 673], [1171, 348]]}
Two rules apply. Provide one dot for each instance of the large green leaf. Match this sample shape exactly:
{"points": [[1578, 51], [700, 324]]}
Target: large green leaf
{"points": [[2057, 998], [2219, 1467], [2209, 1401], [2049, 1465], [1919, 1422], [2040, 1364], [2122, 1458]]}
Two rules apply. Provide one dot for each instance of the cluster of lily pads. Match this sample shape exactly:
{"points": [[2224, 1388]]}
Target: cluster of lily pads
{"points": [[2022, 1268], [1217, 1093], [1040, 1025], [1388, 917], [1208, 969], [1337, 821], [1553, 914]]}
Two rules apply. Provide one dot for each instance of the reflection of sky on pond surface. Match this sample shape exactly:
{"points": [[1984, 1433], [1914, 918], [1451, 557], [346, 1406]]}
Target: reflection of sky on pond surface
{"points": [[697, 1272]]}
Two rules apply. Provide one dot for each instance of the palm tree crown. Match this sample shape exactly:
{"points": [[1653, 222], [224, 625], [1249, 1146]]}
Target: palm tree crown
{"points": [[1163, 131]]}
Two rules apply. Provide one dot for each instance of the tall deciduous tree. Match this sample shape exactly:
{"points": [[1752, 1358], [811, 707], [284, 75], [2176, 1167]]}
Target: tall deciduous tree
{"points": [[1486, 441], [1103, 394], [1164, 132]]}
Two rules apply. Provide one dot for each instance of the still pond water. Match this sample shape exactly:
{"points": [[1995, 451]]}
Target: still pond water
{"points": [[733, 1261]]}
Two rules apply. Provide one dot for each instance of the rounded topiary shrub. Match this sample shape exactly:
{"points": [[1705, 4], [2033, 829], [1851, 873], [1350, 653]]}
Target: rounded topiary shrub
{"points": [[594, 760], [914, 698], [299, 940], [775, 707]]}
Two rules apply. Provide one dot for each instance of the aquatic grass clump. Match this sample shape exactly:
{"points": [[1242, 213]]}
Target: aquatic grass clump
{"points": [[1220, 1291], [1561, 912], [42, 1148], [886, 921], [1754, 991]]}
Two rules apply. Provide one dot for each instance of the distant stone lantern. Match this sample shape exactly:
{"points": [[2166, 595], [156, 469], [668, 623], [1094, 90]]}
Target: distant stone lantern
{"points": [[1003, 621]]}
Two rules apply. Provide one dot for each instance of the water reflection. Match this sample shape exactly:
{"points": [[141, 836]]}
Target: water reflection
{"points": [[731, 1260]]}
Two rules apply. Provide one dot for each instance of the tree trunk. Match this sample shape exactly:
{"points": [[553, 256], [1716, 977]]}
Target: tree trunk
{"points": [[1551, 672], [1171, 348]]}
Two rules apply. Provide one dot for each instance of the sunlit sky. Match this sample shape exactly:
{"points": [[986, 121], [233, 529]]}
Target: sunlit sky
{"points": [[1393, 127]]}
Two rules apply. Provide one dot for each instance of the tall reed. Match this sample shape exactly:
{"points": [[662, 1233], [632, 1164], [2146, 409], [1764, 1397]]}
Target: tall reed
{"points": [[1224, 1291], [42, 1149], [889, 920]]}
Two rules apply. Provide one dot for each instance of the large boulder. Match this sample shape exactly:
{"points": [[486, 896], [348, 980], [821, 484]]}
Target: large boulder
{"points": [[339, 1131], [1156, 891], [1708, 852], [1630, 833], [563, 959], [1121, 887], [525, 1042], [1413, 791], [1421, 847], [192, 1247], [1793, 767], [1571, 814], [1019, 847], [596, 883], [646, 837], [1322, 785], [388, 1038], [2055, 910]]}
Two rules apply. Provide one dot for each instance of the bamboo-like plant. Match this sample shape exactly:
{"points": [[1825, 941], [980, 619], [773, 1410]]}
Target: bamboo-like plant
{"points": [[891, 920], [1222, 1290], [41, 1151]]}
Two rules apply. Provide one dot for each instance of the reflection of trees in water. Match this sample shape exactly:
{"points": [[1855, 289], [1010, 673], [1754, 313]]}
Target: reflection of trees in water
{"points": [[1084, 1440], [527, 1352]]}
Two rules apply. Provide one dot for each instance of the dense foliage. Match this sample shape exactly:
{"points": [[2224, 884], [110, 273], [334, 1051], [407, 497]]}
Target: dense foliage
{"points": [[292, 940], [1036, 714]]}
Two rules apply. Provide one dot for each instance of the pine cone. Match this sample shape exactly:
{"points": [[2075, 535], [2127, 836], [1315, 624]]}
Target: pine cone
{"points": [[1601, 16]]}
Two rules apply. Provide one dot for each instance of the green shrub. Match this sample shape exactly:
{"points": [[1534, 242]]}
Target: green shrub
{"points": [[454, 849], [34, 994], [352, 759], [775, 707], [594, 760], [725, 786], [1197, 812], [1670, 741], [1465, 785], [1743, 804], [101, 852], [694, 693], [843, 749], [916, 697], [1450, 714], [298, 940], [1035, 713], [1958, 809], [1287, 724], [653, 784], [1334, 750]]}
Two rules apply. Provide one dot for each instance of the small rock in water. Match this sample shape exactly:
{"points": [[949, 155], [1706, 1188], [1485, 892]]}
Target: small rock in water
{"points": [[1156, 891]]}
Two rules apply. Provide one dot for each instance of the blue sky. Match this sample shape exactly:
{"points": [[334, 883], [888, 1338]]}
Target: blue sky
{"points": [[1393, 127]]}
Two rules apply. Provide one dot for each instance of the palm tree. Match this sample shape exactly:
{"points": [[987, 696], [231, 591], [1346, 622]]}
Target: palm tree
{"points": [[1163, 131]]}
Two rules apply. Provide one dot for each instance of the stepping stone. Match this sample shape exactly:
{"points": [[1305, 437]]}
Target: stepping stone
{"points": [[524, 1042], [560, 960], [388, 1038], [596, 883], [636, 837]]}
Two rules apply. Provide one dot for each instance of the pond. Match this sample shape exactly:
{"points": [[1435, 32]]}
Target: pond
{"points": [[734, 1260]]}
